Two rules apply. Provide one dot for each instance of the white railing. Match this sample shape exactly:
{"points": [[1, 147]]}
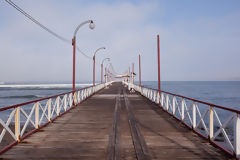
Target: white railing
{"points": [[21, 120], [220, 125]]}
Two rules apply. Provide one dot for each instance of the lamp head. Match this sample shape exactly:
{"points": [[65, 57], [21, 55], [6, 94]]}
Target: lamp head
{"points": [[91, 25]]}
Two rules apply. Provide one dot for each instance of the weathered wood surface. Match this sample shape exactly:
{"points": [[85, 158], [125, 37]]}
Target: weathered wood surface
{"points": [[85, 133]]}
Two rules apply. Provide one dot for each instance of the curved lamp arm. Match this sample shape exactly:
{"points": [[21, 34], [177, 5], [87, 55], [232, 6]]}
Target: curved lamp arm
{"points": [[98, 50], [108, 65], [105, 59], [91, 26]]}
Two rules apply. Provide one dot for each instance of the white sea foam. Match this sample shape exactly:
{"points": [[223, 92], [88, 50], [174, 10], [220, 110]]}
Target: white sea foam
{"points": [[43, 85]]}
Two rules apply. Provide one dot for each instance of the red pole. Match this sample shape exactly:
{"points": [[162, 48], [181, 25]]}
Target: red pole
{"points": [[158, 47], [129, 74], [105, 75], [74, 46], [139, 70], [132, 73], [94, 70], [101, 73]]}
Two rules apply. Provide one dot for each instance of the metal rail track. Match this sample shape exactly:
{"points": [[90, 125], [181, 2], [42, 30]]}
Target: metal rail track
{"points": [[140, 146], [114, 138]]}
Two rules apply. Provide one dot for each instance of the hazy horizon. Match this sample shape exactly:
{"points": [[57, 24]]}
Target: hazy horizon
{"points": [[89, 82]]}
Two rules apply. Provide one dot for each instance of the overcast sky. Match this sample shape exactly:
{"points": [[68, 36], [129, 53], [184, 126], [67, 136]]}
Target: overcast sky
{"points": [[200, 40]]}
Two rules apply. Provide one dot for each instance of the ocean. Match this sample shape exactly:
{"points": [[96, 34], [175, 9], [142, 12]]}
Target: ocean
{"points": [[224, 93], [18, 93]]}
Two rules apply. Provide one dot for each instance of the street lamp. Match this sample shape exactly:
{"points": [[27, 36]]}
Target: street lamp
{"points": [[102, 68], [91, 26], [106, 72], [94, 63]]}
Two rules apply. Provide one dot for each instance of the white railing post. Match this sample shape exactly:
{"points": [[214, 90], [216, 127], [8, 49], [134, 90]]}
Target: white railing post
{"points": [[17, 124], [58, 101], [65, 102], [84, 93], [36, 115], [162, 97], [237, 136], [194, 114], [70, 96], [167, 100], [151, 95], [75, 98], [182, 109], [154, 96], [211, 128], [82, 96], [49, 109], [78, 95], [173, 105]]}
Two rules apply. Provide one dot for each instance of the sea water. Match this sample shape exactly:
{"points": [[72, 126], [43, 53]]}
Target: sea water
{"points": [[224, 93], [18, 93]]}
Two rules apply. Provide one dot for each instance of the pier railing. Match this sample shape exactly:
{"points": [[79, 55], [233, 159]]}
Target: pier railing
{"points": [[21, 120], [219, 125]]}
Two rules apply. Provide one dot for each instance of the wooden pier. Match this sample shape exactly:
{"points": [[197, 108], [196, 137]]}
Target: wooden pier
{"points": [[115, 124]]}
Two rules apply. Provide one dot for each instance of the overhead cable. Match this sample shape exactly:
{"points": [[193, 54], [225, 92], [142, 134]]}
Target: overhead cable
{"points": [[43, 27]]}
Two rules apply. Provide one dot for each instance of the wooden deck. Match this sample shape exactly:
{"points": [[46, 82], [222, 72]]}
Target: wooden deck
{"points": [[115, 124]]}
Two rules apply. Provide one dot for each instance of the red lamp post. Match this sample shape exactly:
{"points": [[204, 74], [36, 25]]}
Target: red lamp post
{"points": [[94, 63], [158, 48], [139, 70], [91, 26], [129, 79], [102, 68], [132, 73]]}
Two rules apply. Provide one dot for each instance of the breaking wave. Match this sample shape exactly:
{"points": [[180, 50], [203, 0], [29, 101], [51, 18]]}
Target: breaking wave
{"points": [[24, 96], [43, 86]]}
